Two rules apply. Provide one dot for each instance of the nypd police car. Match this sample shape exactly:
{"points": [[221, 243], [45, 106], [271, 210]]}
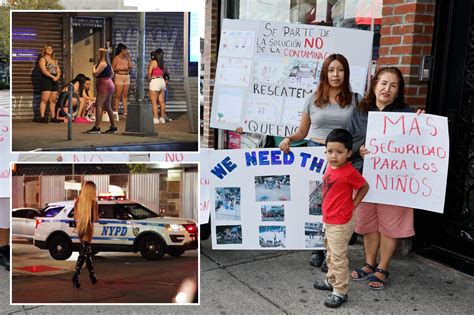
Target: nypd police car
{"points": [[123, 226]]}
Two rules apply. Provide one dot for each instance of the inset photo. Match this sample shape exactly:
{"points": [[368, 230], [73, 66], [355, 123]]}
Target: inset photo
{"points": [[96, 233], [314, 234], [272, 236], [272, 188], [85, 82], [273, 212], [229, 234], [227, 205], [315, 197]]}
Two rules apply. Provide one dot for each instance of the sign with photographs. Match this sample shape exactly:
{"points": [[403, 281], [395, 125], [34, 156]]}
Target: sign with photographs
{"points": [[266, 70], [408, 160], [264, 199]]}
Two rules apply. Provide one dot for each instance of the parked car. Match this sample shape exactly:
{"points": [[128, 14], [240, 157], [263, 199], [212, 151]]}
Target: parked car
{"points": [[24, 221], [123, 226]]}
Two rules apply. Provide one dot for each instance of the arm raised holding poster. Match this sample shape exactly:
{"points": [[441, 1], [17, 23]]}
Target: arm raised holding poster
{"points": [[384, 125]]}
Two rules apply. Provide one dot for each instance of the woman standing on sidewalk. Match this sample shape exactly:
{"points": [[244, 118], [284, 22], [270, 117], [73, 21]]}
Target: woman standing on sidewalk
{"points": [[50, 74], [121, 65], [382, 225], [330, 107], [105, 88], [85, 214], [156, 74]]}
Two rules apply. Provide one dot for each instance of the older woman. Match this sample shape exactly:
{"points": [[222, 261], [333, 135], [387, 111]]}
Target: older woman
{"points": [[382, 225]]}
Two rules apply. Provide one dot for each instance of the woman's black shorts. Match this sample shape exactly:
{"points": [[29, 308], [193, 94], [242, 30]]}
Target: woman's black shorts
{"points": [[48, 84]]}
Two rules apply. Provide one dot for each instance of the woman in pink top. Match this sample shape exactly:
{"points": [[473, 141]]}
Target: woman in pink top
{"points": [[156, 73], [121, 65]]}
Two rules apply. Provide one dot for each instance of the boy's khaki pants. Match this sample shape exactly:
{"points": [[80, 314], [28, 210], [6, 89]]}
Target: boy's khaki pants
{"points": [[336, 242]]}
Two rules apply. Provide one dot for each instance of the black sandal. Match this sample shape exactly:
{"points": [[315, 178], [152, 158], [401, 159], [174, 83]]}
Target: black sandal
{"points": [[362, 274], [374, 278]]}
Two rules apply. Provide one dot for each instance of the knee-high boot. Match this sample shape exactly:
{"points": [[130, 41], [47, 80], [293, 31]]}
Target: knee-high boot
{"points": [[80, 262], [90, 265]]}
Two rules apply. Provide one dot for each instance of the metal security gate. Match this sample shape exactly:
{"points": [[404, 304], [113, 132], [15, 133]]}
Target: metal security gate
{"points": [[163, 30], [30, 32], [450, 237]]}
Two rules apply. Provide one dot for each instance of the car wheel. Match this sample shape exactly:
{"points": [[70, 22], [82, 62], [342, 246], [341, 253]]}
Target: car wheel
{"points": [[60, 247], [152, 247], [175, 252]]}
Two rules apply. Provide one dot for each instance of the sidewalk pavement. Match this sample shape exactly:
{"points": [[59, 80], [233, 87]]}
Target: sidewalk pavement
{"points": [[172, 136], [279, 282]]}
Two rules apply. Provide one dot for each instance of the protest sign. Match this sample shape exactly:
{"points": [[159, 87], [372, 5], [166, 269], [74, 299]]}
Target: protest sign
{"points": [[6, 157], [204, 194], [264, 199], [266, 70], [408, 160]]}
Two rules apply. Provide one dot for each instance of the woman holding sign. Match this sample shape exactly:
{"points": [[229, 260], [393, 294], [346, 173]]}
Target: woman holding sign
{"points": [[382, 225], [330, 107]]}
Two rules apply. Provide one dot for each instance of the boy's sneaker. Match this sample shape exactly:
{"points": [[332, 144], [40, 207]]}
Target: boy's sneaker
{"points": [[156, 121], [334, 301], [322, 285], [111, 130], [162, 120], [93, 130]]}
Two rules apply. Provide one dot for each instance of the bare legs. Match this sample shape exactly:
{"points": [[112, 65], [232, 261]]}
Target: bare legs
{"points": [[161, 98], [378, 243], [121, 91], [154, 103]]}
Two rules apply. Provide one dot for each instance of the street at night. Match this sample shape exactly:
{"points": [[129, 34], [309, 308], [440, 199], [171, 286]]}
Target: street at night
{"points": [[122, 277]]}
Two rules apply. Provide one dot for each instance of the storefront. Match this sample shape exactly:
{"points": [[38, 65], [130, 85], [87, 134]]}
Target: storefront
{"points": [[411, 35], [76, 36]]}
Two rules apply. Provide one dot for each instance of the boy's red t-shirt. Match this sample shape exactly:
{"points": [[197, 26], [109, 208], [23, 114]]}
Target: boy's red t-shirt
{"points": [[338, 186]]}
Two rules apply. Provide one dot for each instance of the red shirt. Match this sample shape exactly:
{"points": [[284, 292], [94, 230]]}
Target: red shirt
{"points": [[338, 186]]}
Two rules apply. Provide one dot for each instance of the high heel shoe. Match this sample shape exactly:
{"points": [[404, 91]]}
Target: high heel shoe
{"points": [[75, 281], [93, 278]]}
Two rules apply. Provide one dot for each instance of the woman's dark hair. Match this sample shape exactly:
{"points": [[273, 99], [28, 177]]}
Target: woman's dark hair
{"points": [[341, 136], [81, 78], [369, 100], [119, 49], [344, 98], [158, 55]]}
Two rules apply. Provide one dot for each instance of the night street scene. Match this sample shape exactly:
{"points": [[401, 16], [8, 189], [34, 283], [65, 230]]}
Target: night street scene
{"points": [[143, 246]]}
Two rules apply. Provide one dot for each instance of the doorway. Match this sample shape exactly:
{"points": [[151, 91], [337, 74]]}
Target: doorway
{"points": [[88, 35]]}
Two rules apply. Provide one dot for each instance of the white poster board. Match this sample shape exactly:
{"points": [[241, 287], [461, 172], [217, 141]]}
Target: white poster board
{"points": [[264, 199], [408, 160], [266, 70], [5, 156]]}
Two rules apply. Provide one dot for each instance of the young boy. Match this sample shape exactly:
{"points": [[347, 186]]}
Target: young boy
{"points": [[339, 182]]}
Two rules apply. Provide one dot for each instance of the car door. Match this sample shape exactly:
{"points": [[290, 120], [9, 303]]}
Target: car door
{"points": [[113, 227], [30, 223], [18, 222]]}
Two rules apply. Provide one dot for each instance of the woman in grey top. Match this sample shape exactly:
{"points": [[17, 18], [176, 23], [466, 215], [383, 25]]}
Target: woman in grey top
{"points": [[330, 107]]}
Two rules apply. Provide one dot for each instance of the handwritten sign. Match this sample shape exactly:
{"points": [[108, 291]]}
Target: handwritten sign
{"points": [[204, 182], [264, 199], [6, 157], [266, 70], [408, 160]]}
